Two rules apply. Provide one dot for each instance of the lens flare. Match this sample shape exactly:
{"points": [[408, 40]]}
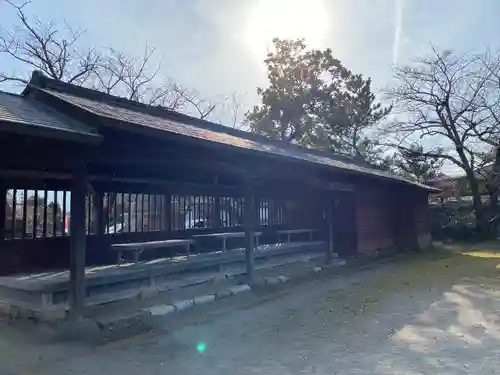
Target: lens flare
{"points": [[200, 347]]}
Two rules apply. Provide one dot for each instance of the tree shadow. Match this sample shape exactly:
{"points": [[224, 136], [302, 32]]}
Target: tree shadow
{"points": [[460, 331]]}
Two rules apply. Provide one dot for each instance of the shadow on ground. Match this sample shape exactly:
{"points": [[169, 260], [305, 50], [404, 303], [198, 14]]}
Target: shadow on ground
{"points": [[459, 332]]}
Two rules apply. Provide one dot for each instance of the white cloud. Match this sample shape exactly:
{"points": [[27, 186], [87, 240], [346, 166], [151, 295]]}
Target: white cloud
{"points": [[398, 29]]}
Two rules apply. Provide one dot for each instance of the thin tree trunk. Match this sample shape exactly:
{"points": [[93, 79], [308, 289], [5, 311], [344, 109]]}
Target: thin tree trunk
{"points": [[494, 191], [477, 205]]}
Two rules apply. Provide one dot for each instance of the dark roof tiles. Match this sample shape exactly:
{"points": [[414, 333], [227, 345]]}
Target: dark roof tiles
{"points": [[25, 112]]}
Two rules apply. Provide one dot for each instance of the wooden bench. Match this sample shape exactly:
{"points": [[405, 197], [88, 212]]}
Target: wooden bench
{"points": [[225, 236], [139, 247], [289, 233]]}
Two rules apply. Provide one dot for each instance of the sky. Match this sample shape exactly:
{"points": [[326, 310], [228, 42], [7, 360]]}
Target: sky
{"points": [[218, 46]]}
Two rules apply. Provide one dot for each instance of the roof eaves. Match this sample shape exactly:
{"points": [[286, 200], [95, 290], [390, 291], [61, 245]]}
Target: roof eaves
{"points": [[25, 128], [21, 115]]}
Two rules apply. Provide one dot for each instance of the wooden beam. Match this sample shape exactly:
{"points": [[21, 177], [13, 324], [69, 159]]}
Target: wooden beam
{"points": [[39, 156], [97, 178], [261, 174], [164, 160], [333, 186], [77, 242], [240, 165]]}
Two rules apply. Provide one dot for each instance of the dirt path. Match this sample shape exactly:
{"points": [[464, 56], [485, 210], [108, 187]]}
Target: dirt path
{"points": [[420, 315]]}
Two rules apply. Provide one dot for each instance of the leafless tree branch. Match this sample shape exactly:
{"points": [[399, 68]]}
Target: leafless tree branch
{"points": [[453, 100], [51, 47], [55, 49]]}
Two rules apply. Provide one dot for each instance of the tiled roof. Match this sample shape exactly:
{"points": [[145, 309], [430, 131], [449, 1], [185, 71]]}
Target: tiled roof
{"points": [[23, 114], [115, 110]]}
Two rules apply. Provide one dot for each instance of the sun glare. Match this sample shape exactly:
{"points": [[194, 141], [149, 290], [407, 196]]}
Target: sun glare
{"points": [[285, 19]]}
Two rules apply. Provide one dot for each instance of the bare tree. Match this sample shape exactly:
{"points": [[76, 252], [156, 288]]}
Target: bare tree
{"points": [[450, 104], [54, 48], [118, 73], [190, 99], [230, 111], [51, 47]]}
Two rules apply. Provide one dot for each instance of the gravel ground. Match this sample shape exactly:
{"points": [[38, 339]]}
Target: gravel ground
{"points": [[423, 314]]}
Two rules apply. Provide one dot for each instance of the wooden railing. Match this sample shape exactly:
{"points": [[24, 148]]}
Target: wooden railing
{"points": [[34, 214]]}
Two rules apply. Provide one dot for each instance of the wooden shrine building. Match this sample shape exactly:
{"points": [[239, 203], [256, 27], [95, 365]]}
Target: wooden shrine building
{"points": [[81, 170]]}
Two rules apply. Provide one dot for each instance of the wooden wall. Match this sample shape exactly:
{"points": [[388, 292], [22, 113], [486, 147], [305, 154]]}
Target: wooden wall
{"points": [[375, 225], [391, 217]]}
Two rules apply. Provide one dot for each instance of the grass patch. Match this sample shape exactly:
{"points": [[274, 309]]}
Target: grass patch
{"points": [[482, 254], [484, 250]]}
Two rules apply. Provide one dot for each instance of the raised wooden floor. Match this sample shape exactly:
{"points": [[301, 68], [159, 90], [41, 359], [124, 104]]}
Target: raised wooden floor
{"points": [[50, 290]]}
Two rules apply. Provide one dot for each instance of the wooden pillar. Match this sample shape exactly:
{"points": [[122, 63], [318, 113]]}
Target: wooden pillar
{"points": [[329, 247], [77, 242], [3, 204], [396, 220], [99, 207], [249, 230], [217, 206], [167, 214], [218, 211]]}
